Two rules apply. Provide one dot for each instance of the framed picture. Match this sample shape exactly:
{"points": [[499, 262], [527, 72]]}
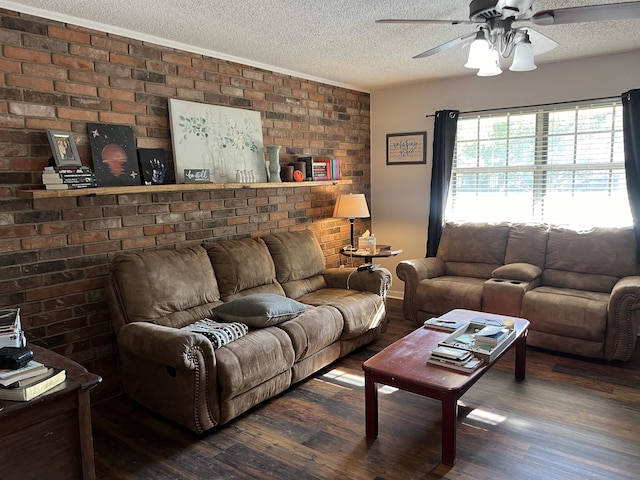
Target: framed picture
{"points": [[113, 149], [406, 148], [153, 165], [63, 147], [223, 140]]}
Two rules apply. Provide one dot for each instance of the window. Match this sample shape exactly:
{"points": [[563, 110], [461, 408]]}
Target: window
{"points": [[559, 165]]}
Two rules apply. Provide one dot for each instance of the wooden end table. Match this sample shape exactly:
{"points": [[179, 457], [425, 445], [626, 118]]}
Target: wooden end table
{"points": [[368, 256], [403, 365], [50, 435]]}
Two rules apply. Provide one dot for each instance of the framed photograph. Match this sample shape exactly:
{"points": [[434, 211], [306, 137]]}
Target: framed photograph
{"points": [[406, 148], [224, 140], [115, 160], [63, 147], [153, 165]]}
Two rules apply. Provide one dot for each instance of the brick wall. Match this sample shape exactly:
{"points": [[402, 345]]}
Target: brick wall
{"points": [[54, 253]]}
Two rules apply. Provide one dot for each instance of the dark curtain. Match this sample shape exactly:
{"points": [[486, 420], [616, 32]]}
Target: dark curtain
{"points": [[444, 140], [631, 130]]}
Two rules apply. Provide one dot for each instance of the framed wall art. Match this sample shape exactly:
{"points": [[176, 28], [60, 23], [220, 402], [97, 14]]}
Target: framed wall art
{"points": [[406, 148], [223, 140], [63, 147], [153, 165], [113, 148]]}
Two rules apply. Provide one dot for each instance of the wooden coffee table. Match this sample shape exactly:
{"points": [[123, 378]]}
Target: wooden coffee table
{"points": [[403, 365]]}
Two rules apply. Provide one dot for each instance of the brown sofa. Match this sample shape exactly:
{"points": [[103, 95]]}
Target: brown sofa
{"points": [[153, 295], [579, 289]]}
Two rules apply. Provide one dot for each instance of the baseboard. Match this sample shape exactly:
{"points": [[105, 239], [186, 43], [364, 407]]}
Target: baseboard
{"points": [[395, 294]]}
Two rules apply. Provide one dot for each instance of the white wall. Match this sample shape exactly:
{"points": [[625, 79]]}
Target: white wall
{"points": [[400, 193]]}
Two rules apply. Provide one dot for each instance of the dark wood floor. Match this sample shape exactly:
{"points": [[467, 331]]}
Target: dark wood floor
{"points": [[570, 419]]}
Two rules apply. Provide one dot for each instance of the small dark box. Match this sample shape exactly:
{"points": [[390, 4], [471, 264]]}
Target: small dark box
{"points": [[15, 357]]}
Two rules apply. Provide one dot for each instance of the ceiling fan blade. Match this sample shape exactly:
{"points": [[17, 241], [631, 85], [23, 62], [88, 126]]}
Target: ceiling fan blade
{"points": [[446, 46], [593, 13], [540, 43], [401, 20]]}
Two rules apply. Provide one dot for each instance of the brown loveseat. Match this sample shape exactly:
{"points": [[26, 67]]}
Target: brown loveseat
{"points": [[579, 289], [177, 373]]}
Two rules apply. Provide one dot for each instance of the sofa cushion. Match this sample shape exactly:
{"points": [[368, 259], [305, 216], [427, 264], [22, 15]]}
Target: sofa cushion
{"points": [[527, 243], [361, 311], [442, 294], [473, 249], [589, 260], [219, 334], [567, 312], [168, 287], [313, 330], [236, 273], [296, 255], [252, 369], [525, 272], [259, 310]]}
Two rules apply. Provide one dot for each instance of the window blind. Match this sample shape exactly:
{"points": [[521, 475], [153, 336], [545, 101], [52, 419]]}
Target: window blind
{"points": [[559, 164]]}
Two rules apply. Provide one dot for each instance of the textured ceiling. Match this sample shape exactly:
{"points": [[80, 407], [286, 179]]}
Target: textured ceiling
{"points": [[335, 41]]}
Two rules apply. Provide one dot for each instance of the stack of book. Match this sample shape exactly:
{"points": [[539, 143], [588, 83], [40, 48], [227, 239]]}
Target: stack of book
{"points": [[68, 177], [319, 169], [25, 383], [11, 334], [454, 359]]}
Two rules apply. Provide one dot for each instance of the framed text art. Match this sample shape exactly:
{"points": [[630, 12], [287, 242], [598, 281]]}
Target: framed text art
{"points": [[63, 147], [406, 148], [113, 148], [223, 140]]}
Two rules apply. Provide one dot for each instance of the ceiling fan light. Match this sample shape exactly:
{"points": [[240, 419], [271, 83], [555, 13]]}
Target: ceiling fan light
{"points": [[491, 66], [523, 58], [478, 52]]}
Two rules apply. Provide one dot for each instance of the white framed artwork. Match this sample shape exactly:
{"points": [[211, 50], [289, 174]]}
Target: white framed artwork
{"points": [[223, 140]]}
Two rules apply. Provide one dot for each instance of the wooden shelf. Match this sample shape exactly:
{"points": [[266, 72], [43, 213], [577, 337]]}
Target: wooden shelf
{"points": [[183, 187]]}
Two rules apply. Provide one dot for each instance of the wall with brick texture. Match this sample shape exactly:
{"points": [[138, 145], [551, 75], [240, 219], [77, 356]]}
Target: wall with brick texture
{"points": [[55, 253]]}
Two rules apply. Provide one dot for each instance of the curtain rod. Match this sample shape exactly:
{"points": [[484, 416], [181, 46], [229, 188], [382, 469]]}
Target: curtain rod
{"points": [[538, 105]]}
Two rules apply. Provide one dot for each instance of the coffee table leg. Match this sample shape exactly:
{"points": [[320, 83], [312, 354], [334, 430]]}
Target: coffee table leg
{"points": [[521, 356], [449, 420], [370, 406]]}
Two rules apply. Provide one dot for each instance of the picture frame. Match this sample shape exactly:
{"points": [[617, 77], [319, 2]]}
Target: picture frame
{"points": [[113, 149], [153, 165], [224, 140], [406, 148], [63, 147]]}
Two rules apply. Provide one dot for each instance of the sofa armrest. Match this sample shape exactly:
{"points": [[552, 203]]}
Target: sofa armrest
{"points": [[412, 272], [623, 320], [521, 272], [165, 345], [377, 282]]}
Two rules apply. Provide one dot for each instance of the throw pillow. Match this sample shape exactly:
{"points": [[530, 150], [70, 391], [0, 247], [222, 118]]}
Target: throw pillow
{"points": [[259, 310], [220, 334]]}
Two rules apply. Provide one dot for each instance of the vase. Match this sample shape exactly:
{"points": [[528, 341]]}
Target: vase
{"points": [[274, 163]]}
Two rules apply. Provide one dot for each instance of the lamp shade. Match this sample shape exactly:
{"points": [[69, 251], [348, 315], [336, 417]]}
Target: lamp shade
{"points": [[351, 206], [491, 66], [478, 51], [523, 57]]}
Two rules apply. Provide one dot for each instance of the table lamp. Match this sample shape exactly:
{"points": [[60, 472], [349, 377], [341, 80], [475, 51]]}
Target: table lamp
{"points": [[351, 206]]}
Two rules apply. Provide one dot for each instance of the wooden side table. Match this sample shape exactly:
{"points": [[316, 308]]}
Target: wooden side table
{"points": [[368, 256], [50, 435]]}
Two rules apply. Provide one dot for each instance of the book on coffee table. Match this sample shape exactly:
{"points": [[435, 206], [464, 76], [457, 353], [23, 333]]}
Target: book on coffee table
{"points": [[468, 366], [445, 325]]}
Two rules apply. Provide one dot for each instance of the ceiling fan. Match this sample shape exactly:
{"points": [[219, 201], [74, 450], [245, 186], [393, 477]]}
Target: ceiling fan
{"points": [[499, 34]]}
